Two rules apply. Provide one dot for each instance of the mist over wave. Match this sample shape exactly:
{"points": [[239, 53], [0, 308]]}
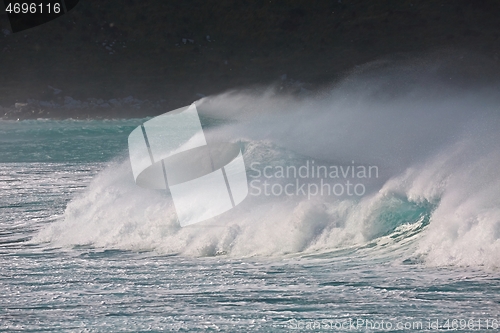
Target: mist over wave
{"points": [[434, 142]]}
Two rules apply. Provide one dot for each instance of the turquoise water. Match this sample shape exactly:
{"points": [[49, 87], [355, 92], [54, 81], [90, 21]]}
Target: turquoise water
{"points": [[82, 249]]}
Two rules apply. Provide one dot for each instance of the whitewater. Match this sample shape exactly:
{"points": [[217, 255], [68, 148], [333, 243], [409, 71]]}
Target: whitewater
{"points": [[83, 248]]}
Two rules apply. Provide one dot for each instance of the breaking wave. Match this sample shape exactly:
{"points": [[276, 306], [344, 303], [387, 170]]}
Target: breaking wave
{"points": [[437, 194]]}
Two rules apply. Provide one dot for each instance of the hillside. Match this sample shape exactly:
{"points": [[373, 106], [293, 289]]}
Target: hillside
{"points": [[166, 54]]}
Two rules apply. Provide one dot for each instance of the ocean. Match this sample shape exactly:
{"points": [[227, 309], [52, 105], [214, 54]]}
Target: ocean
{"points": [[416, 248]]}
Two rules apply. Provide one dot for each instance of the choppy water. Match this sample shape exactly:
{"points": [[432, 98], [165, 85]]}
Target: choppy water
{"points": [[83, 249]]}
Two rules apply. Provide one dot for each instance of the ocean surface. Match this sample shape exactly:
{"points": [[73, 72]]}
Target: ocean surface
{"points": [[83, 249]]}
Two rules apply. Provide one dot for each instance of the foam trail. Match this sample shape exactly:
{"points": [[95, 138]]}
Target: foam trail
{"points": [[435, 146]]}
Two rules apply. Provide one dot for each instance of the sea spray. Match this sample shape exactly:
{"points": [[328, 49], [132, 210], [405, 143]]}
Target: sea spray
{"points": [[434, 145]]}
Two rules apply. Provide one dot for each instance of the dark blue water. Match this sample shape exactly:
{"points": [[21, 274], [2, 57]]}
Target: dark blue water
{"points": [[83, 250]]}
